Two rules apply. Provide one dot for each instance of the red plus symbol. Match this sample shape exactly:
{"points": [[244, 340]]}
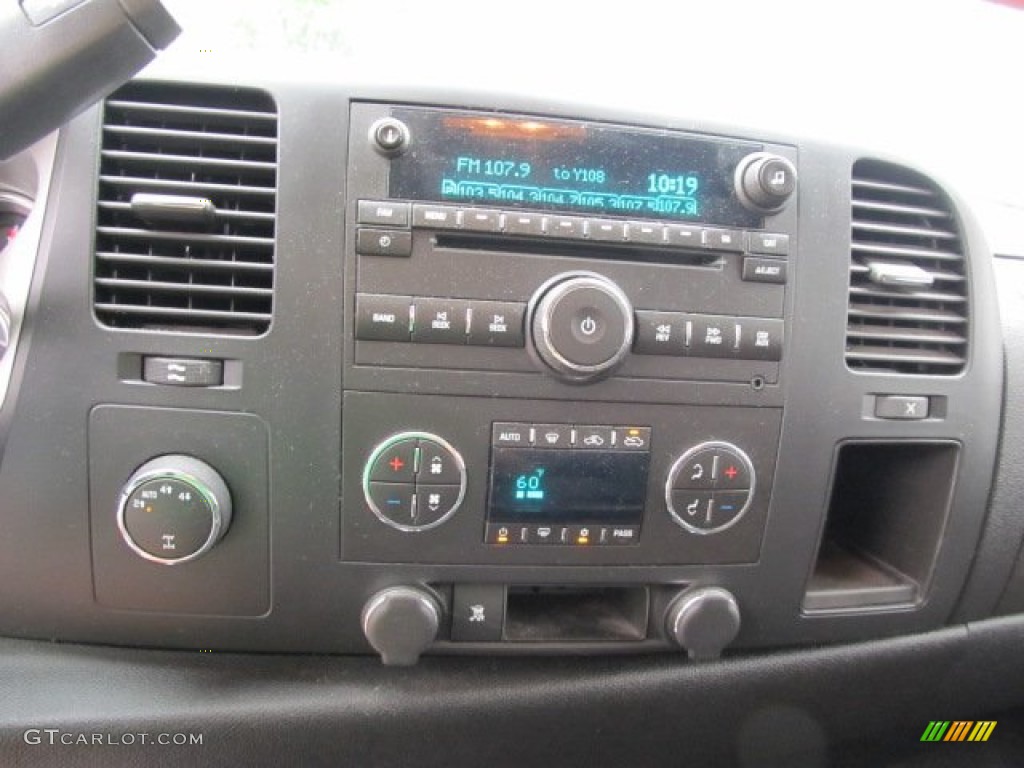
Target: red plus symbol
{"points": [[731, 472], [396, 463]]}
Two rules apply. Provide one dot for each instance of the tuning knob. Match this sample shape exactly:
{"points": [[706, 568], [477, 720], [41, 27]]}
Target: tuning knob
{"points": [[703, 621], [174, 509], [765, 182], [581, 326], [400, 623]]}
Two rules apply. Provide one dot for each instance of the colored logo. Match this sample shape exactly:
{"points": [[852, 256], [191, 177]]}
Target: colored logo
{"points": [[958, 730]]}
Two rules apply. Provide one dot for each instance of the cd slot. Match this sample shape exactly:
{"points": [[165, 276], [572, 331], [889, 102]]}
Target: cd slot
{"points": [[651, 254]]}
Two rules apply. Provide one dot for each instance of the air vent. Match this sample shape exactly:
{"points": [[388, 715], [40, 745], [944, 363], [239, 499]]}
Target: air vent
{"points": [[186, 209], [908, 287]]}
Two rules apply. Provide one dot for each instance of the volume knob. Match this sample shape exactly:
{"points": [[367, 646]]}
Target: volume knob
{"points": [[581, 326]]}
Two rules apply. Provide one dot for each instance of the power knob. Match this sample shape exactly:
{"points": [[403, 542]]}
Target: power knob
{"points": [[704, 621], [581, 326], [765, 181], [400, 623], [174, 509]]}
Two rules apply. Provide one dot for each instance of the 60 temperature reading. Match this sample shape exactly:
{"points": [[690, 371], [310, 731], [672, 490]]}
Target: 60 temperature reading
{"points": [[529, 487]]}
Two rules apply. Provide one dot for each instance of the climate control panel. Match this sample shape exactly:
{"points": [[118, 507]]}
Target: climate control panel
{"points": [[562, 483]]}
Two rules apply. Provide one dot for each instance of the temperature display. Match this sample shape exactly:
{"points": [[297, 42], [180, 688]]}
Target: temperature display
{"points": [[530, 485], [562, 165]]}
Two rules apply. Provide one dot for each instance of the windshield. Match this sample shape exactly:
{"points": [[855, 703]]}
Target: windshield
{"points": [[932, 82]]}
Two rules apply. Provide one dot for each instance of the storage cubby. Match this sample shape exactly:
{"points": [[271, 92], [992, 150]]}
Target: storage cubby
{"points": [[884, 528]]}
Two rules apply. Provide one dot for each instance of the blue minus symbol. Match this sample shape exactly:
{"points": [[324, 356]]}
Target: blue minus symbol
{"points": [[727, 507], [393, 502]]}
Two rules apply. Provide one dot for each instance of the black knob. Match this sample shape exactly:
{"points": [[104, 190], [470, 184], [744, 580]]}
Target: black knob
{"points": [[400, 623], [581, 326], [764, 182], [703, 621], [389, 136], [174, 509]]}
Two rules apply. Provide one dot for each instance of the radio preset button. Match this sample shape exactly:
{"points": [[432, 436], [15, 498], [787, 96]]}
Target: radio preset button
{"points": [[435, 216], [769, 243], [496, 324], [440, 321], [383, 242], [396, 464], [606, 230], [382, 318], [566, 226], [524, 223], [385, 213], [660, 333], [481, 220], [760, 270], [682, 236], [646, 233]]}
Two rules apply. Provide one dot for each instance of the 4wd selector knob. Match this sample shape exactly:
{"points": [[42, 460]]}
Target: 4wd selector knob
{"points": [[581, 325], [174, 509], [764, 181]]}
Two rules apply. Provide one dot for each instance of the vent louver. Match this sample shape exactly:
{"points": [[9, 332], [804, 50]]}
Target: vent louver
{"points": [[186, 209], [908, 309]]}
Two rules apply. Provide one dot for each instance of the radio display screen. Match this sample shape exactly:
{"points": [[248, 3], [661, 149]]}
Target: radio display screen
{"points": [[562, 165], [530, 485]]}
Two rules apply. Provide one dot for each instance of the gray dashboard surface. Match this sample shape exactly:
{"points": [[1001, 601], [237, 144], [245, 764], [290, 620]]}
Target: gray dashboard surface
{"points": [[809, 708]]}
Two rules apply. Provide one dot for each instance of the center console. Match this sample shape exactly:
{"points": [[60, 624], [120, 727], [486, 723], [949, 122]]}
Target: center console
{"points": [[566, 342], [494, 377]]}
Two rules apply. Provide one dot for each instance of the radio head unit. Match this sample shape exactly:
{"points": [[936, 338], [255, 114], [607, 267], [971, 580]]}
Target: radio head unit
{"points": [[570, 166], [516, 244]]}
